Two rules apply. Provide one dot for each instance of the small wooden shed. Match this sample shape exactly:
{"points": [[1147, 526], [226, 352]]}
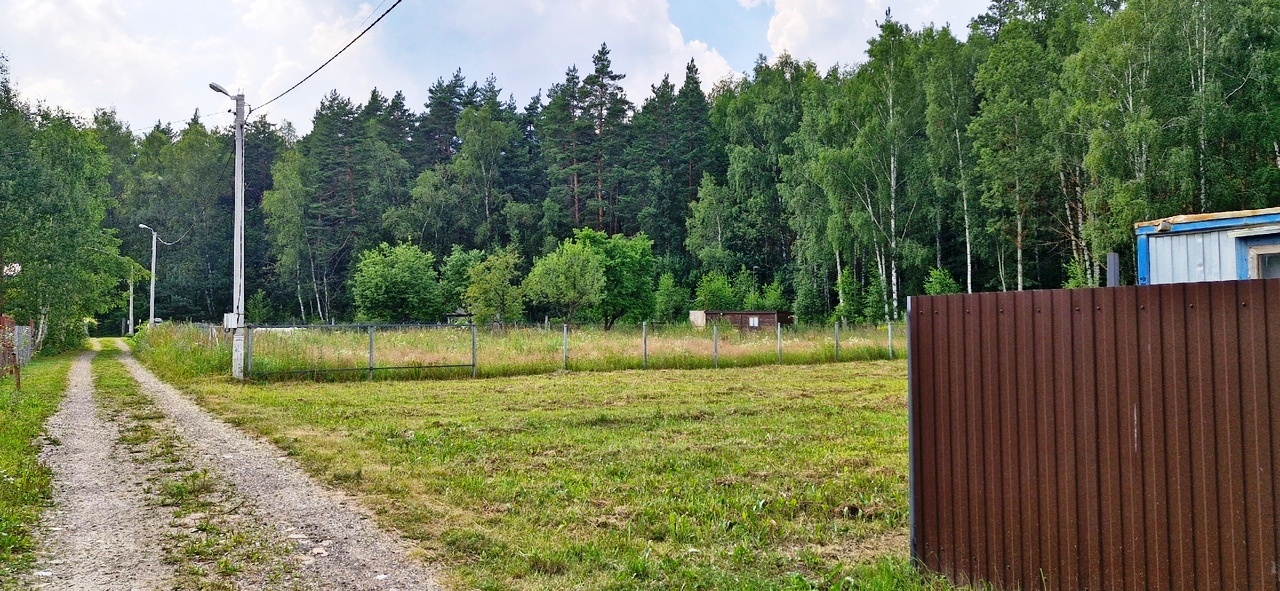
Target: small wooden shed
{"points": [[743, 320], [1224, 246]]}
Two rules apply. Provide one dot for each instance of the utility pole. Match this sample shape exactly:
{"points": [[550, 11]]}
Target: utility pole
{"points": [[131, 265], [235, 320]]}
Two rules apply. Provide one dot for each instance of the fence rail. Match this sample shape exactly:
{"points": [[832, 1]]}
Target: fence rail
{"points": [[1121, 438]]}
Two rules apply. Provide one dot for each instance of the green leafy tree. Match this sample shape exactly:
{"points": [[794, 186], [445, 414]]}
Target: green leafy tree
{"points": [[58, 265], [940, 282], [455, 274], [494, 294], [715, 293], [570, 278], [629, 270], [671, 301], [398, 284]]}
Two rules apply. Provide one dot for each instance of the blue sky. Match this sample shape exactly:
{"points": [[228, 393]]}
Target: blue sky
{"points": [[152, 60]]}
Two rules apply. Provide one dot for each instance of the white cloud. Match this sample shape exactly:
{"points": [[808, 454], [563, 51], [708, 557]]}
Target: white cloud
{"points": [[153, 60], [831, 32]]}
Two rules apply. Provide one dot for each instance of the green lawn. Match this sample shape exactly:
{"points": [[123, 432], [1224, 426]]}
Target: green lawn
{"points": [[787, 477], [24, 482]]}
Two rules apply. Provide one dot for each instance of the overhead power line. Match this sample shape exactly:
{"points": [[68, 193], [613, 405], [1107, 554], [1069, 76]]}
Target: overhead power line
{"points": [[335, 56]]}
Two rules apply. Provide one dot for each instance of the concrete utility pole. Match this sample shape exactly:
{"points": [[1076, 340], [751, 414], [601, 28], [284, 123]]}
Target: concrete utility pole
{"points": [[151, 318], [235, 320]]}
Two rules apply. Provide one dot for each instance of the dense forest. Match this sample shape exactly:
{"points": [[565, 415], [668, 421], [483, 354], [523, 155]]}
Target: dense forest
{"points": [[1014, 159]]}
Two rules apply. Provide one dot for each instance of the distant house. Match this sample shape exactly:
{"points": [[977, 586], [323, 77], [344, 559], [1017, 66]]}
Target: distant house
{"points": [[1209, 247], [749, 320]]}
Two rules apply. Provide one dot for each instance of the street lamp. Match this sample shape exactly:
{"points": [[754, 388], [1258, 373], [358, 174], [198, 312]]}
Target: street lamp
{"points": [[151, 318], [235, 320]]}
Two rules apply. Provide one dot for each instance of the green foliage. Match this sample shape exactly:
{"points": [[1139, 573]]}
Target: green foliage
{"points": [[455, 275], [258, 309], [58, 265], [397, 284], [629, 269], [940, 283], [493, 294], [715, 293], [771, 297], [25, 483], [671, 302], [571, 278], [1078, 275], [875, 302]]}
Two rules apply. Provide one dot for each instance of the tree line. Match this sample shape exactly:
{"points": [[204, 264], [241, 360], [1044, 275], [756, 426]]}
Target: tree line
{"points": [[1012, 159]]}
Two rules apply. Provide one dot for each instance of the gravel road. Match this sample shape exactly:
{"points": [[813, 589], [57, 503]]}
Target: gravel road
{"points": [[344, 548], [103, 533]]}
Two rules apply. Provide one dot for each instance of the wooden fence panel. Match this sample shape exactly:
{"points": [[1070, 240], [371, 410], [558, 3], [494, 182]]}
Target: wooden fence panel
{"points": [[1122, 438]]}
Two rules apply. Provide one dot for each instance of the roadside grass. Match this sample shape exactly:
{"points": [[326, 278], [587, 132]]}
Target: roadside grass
{"points": [[214, 544], [185, 350], [26, 484], [759, 478]]}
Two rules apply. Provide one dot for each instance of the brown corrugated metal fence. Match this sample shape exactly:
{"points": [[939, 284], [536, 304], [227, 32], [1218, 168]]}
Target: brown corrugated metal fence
{"points": [[1121, 438]]}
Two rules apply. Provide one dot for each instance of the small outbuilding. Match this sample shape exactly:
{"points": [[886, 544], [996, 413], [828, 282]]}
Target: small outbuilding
{"points": [[748, 320], [1223, 246]]}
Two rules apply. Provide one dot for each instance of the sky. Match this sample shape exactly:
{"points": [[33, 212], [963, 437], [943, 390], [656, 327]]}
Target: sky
{"points": [[152, 60]]}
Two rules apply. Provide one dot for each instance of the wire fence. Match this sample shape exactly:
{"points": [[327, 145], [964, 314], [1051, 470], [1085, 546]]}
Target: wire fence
{"points": [[383, 351], [17, 346]]}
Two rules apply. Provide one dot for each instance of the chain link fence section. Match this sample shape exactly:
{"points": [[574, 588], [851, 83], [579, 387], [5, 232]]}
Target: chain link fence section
{"points": [[17, 345]]}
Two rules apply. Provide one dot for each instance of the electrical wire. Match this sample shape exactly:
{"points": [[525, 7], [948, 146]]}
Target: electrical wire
{"points": [[335, 56]]}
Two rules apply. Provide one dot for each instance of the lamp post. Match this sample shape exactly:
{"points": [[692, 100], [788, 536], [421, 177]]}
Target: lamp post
{"points": [[151, 318], [235, 320]]}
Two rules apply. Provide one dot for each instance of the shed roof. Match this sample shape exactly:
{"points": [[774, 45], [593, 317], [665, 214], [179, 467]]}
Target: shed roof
{"points": [[1209, 221]]}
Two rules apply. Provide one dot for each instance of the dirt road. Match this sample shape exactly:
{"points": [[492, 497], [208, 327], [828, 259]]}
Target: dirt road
{"points": [[107, 531]]}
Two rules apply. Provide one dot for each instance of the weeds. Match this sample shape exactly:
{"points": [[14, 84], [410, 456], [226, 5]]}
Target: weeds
{"points": [[25, 484]]}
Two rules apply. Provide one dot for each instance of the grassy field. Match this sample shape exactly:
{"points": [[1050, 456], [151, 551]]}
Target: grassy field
{"points": [[24, 482], [757, 478], [511, 352]]}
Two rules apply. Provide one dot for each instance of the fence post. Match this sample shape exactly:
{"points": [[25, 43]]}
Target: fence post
{"points": [[779, 343], [644, 337], [837, 342], [473, 350], [715, 345], [248, 352], [370, 352], [566, 346], [891, 339]]}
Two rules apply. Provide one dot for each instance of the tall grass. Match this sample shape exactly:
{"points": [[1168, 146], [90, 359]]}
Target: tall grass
{"points": [[25, 484], [343, 353]]}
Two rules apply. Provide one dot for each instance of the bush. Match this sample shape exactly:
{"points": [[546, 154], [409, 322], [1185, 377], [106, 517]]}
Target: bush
{"points": [[397, 284], [940, 282], [672, 301], [715, 293]]}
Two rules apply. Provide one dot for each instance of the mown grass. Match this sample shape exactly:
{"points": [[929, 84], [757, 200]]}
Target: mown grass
{"points": [[25, 484], [316, 352], [760, 478], [214, 544]]}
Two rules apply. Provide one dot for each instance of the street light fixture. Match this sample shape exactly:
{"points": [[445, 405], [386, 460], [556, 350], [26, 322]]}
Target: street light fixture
{"points": [[235, 320], [151, 318]]}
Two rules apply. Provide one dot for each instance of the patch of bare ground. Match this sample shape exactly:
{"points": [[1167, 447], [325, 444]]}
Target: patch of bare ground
{"points": [[857, 551]]}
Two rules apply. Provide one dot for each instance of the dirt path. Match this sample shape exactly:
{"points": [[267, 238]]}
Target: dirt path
{"points": [[343, 548], [101, 535]]}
